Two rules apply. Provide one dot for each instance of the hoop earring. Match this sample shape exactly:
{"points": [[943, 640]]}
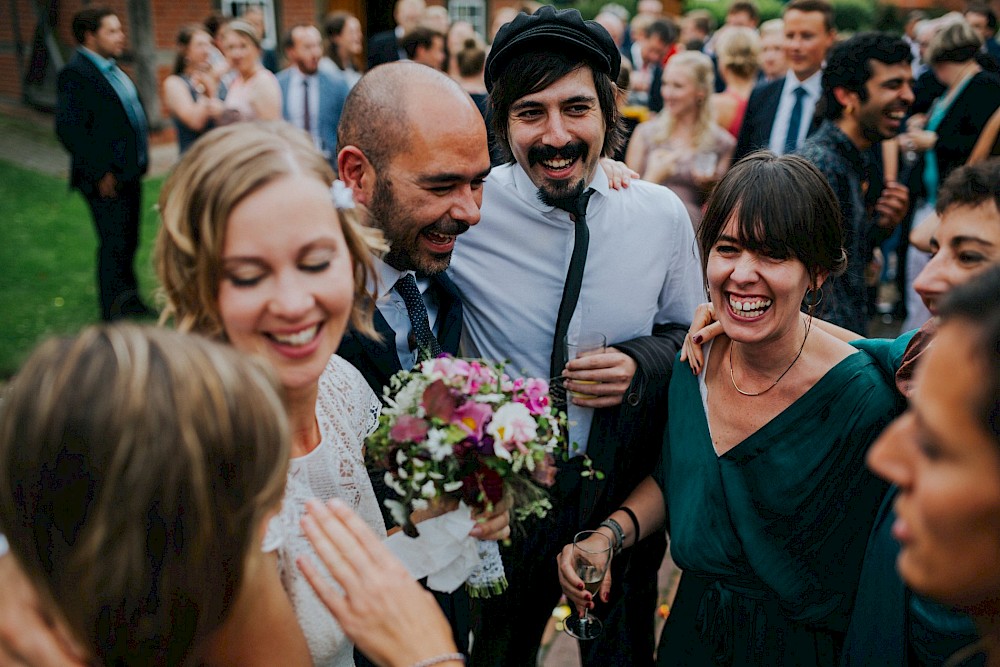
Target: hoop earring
{"points": [[811, 299]]}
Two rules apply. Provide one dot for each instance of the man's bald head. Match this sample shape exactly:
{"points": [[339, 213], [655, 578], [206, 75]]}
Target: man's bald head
{"points": [[383, 107], [413, 152]]}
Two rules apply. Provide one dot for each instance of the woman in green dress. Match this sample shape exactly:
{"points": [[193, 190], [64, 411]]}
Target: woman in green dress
{"points": [[762, 483]]}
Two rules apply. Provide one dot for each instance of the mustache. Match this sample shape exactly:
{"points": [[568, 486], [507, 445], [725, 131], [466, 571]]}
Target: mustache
{"points": [[447, 226], [570, 151]]}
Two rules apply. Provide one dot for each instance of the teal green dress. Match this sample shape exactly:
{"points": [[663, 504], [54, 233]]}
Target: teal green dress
{"points": [[771, 534]]}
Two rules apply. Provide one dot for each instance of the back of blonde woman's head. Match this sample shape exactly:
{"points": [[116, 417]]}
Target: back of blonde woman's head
{"points": [[137, 466], [738, 49], [223, 168]]}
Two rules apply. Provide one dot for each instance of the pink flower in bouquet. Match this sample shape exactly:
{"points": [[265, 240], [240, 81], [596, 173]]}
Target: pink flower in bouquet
{"points": [[479, 375], [447, 367], [471, 417], [408, 429], [535, 396], [513, 427]]}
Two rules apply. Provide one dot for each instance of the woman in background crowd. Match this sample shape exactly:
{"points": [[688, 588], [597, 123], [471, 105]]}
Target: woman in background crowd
{"points": [[682, 147], [345, 45], [738, 51], [191, 92], [254, 93], [470, 62]]}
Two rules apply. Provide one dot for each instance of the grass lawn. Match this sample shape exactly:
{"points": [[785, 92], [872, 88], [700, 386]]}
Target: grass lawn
{"points": [[48, 260]]}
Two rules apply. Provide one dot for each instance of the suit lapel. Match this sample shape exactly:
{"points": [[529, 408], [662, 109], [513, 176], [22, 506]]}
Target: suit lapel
{"points": [[449, 313], [382, 353]]}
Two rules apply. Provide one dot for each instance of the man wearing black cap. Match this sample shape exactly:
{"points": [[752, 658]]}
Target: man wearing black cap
{"points": [[559, 254]]}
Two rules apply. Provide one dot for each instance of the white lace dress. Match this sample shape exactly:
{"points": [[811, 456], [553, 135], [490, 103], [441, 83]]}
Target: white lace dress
{"points": [[347, 411]]}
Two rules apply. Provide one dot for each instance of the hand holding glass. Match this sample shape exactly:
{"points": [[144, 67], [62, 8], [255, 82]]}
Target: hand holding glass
{"points": [[587, 342], [591, 558]]}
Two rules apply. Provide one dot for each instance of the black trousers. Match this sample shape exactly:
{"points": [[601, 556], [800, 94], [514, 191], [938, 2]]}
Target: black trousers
{"points": [[116, 220], [507, 629]]}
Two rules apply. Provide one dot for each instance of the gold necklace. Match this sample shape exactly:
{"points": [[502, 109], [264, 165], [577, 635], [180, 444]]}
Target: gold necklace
{"points": [[732, 375]]}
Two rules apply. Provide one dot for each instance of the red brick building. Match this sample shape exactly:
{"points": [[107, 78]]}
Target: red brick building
{"points": [[36, 36]]}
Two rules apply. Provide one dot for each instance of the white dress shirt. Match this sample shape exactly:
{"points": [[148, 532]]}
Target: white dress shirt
{"points": [[296, 109], [642, 269], [392, 307], [813, 86]]}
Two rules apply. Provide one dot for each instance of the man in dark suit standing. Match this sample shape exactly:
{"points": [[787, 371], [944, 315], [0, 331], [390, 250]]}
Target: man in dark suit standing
{"points": [[420, 175], [779, 114], [384, 47], [311, 99], [101, 122]]}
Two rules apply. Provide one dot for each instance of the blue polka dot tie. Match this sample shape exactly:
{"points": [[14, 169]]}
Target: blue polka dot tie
{"points": [[422, 340]]}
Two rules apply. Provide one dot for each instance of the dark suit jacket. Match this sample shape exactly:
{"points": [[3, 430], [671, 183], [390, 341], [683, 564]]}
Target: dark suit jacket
{"points": [[382, 48], [92, 124], [761, 109], [377, 359]]}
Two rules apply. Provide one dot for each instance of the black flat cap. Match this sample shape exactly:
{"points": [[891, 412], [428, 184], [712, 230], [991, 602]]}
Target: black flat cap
{"points": [[550, 29]]}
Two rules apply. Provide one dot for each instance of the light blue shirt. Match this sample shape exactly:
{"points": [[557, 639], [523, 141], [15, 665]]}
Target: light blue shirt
{"points": [[642, 269], [813, 86]]}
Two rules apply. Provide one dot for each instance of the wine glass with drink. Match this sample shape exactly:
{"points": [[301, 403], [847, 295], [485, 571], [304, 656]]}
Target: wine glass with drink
{"points": [[591, 558]]}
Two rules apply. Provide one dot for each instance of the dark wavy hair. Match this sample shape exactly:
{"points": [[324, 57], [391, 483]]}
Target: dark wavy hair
{"points": [[850, 66]]}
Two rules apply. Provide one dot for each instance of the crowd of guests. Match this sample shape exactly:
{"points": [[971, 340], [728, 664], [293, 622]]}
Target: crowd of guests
{"points": [[198, 492]]}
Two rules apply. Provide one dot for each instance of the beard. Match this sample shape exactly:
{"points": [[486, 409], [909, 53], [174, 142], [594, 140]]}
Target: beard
{"points": [[559, 194], [403, 235]]}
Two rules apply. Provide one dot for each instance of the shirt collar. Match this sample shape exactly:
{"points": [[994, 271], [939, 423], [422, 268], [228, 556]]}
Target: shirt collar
{"points": [[299, 75], [813, 85], [389, 275], [103, 64], [527, 190]]}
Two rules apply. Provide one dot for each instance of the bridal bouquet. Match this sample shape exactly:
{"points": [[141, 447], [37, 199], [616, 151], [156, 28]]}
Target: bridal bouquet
{"points": [[464, 430]]}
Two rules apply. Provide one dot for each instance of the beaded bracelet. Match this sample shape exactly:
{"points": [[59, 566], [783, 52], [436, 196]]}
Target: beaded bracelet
{"points": [[635, 521], [618, 531], [438, 659]]}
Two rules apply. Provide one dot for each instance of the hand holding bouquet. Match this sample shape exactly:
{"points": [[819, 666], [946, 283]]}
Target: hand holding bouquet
{"points": [[457, 429]]}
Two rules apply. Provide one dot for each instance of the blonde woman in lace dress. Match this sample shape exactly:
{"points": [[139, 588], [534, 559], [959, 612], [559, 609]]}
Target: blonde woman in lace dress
{"points": [[253, 251]]}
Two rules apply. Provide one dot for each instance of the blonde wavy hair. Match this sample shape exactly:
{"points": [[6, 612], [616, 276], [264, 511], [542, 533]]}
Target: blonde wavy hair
{"points": [[700, 67], [223, 168], [137, 468]]}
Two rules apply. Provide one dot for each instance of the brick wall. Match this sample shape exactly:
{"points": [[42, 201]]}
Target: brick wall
{"points": [[168, 17]]}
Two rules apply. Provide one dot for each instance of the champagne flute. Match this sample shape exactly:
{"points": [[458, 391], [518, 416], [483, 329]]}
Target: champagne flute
{"points": [[591, 563]]}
